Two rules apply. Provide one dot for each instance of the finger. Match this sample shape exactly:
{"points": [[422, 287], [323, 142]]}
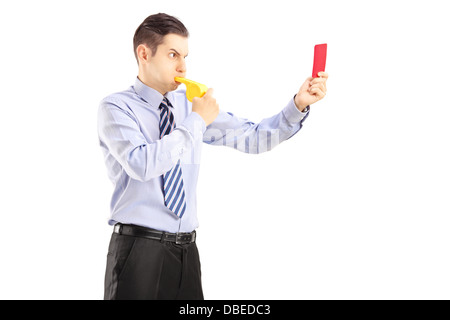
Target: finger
{"points": [[319, 83], [210, 92], [317, 92], [323, 75], [318, 95], [321, 86], [319, 80], [313, 91]]}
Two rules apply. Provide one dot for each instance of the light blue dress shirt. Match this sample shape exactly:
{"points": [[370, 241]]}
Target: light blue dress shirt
{"points": [[136, 157]]}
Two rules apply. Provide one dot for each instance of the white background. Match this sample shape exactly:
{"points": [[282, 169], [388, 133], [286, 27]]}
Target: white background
{"points": [[356, 206]]}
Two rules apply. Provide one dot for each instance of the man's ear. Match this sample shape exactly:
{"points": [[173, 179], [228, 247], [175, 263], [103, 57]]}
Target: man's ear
{"points": [[143, 53]]}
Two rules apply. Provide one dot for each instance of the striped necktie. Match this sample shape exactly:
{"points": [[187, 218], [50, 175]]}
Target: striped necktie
{"points": [[174, 196]]}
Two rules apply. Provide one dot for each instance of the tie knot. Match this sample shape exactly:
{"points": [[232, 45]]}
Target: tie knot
{"points": [[165, 103]]}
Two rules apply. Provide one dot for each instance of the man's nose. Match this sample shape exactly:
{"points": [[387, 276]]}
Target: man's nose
{"points": [[182, 67]]}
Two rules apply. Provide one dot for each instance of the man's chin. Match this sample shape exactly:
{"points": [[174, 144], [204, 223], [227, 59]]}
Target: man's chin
{"points": [[174, 86]]}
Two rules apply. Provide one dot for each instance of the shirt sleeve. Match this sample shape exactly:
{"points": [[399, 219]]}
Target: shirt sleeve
{"points": [[246, 136], [143, 160]]}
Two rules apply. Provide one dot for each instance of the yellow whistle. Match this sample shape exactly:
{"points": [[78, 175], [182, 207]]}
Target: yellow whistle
{"points": [[193, 89]]}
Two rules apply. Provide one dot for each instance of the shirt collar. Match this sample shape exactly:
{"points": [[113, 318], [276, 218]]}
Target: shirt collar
{"points": [[150, 95]]}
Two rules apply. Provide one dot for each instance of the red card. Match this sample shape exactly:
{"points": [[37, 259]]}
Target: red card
{"points": [[320, 58]]}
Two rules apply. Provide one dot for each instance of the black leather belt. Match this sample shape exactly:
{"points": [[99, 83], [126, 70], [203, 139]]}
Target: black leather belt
{"points": [[143, 232]]}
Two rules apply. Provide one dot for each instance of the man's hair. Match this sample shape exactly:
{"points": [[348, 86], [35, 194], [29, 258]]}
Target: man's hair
{"points": [[152, 30]]}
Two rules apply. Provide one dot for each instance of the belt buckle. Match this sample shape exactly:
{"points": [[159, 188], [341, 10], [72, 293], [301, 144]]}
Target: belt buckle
{"points": [[184, 238], [179, 238], [118, 228]]}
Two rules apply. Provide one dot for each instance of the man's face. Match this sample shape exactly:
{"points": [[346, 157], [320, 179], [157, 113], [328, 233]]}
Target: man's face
{"points": [[169, 62]]}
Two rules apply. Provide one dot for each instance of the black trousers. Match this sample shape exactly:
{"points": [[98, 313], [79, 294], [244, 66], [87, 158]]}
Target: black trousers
{"points": [[143, 269]]}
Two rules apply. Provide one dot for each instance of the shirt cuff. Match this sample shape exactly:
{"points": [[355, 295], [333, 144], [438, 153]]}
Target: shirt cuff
{"points": [[294, 115]]}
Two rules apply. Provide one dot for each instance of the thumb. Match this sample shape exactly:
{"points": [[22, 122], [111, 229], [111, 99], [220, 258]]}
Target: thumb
{"points": [[210, 92]]}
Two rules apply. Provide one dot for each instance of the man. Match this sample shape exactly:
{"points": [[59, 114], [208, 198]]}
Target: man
{"points": [[151, 137]]}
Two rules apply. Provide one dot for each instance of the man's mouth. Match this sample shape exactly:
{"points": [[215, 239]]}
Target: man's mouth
{"points": [[178, 83]]}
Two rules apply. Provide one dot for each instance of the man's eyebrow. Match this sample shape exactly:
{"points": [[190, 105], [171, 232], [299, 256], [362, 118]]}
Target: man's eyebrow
{"points": [[178, 52]]}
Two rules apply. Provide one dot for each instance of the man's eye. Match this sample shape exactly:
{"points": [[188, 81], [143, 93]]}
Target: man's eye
{"points": [[172, 55]]}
